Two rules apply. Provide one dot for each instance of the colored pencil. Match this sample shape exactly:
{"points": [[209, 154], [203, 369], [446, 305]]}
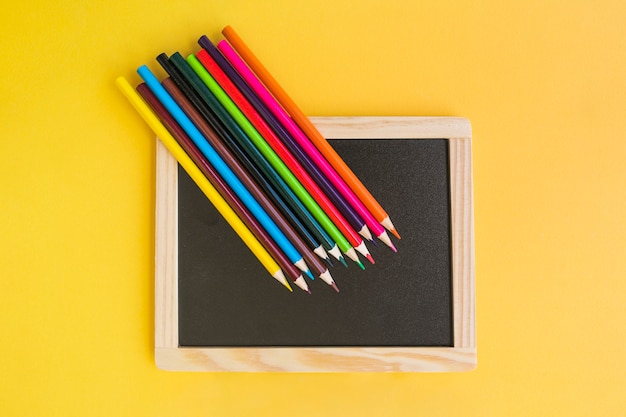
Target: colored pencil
{"points": [[312, 260], [313, 134], [250, 132], [234, 128], [216, 58], [287, 149], [304, 142], [232, 163], [225, 172], [247, 171], [280, 202], [203, 183], [244, 214], [223, 137], [242, 86]]}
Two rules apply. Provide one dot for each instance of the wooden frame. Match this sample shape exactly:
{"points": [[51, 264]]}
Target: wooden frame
{"points": [[460, 357]]}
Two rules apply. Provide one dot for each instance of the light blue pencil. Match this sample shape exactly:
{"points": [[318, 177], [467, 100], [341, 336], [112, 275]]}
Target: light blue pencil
{"points": [[220, 166]]}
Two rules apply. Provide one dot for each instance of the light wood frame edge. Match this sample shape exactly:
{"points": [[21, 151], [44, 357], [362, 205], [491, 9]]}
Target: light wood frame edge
{"points": [[460, 357]]}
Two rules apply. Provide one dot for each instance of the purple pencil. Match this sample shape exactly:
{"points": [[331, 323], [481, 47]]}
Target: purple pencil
{"points": [[265, 137], [331, 192]]}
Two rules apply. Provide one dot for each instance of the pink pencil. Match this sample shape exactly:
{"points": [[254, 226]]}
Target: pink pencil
{"points": [[304, 142]]}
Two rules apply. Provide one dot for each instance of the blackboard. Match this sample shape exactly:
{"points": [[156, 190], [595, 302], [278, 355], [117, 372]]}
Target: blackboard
{"points": [[217, 310]]}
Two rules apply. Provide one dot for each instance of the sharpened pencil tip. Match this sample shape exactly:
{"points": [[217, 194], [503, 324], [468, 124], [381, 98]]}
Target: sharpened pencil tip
{"points": [[301, 283], [370, 258], [309, 274], [334, 287], [343, 261], [280, 277], [365, 232], [384, 237], [386, 222], [335, 252], [360, 264], [308, 291], [319, 251], [329, 261]]}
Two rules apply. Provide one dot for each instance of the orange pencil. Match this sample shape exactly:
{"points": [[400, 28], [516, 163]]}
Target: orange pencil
{"points": [[307, 127]]}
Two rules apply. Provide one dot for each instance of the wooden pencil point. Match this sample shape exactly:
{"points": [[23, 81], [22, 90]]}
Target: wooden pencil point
{"points": [[319, 251], [327, 278], [301, 283], [384, 237], [280, 277], [365, 232], [301, 265], [387, 224], [351, 253], [362, 249], [335, 252]]}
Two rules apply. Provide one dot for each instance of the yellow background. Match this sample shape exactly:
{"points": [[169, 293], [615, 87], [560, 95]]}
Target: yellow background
{"points": [[544, 85]]}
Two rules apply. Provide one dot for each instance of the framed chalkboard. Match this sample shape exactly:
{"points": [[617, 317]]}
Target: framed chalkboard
{"points": [[217, 309]]}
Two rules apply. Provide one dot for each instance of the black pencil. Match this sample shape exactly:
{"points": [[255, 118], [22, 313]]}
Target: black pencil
{"points": [[211, 135]]}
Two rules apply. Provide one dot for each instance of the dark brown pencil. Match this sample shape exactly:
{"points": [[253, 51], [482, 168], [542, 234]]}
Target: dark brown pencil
{"points": [[209, 133], [194, 153]]}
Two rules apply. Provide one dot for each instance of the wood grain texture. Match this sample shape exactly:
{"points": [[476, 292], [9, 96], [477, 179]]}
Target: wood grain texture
{"points": [[460, 357], [166, 251], [372, 127], [462, 226], [370, 359]]}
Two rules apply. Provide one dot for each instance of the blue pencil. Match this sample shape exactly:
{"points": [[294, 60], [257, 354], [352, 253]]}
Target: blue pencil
{"points": [[275, 195], [220, 166]]}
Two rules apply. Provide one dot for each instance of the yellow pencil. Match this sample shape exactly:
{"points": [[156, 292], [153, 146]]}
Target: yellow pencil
{"points": [[203, 183]]}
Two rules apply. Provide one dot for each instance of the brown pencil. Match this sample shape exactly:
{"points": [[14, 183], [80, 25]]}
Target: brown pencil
{"points": [[209, 133], [194, 153]]}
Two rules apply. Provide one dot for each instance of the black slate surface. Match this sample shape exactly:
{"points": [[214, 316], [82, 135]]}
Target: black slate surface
{"points": [[226, 298]]}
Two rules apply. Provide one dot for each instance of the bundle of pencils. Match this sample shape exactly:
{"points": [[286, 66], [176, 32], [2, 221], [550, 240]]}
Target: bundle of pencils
{"points": [[260, 161]]}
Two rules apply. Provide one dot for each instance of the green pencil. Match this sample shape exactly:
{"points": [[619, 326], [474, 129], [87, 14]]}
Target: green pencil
{"points": [[249, 141]]}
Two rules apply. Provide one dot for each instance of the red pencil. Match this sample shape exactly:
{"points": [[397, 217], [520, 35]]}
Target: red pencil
{"points": [[268, 134]]}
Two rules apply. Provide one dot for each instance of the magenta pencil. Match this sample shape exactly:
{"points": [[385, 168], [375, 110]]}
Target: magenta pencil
{"points": [[275, 134], [304, 142]]}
